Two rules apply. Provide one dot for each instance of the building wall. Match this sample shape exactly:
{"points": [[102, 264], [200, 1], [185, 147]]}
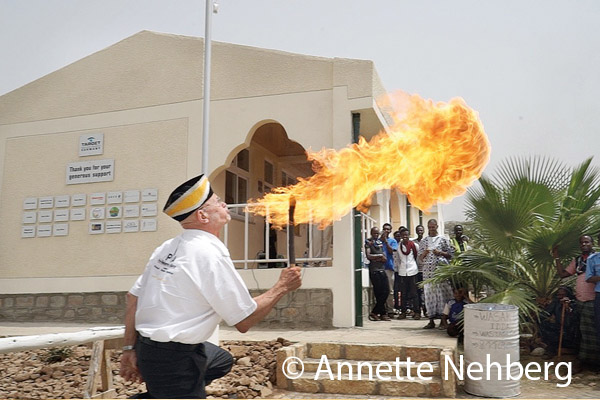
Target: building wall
{"points": [[149, 147], [35, 167], [144, 95]]}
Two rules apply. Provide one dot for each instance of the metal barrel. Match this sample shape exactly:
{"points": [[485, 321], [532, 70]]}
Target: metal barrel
{"points": [[492, 340]]}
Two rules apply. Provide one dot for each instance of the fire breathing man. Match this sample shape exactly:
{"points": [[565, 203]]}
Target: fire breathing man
{"points": [[188, 286]]}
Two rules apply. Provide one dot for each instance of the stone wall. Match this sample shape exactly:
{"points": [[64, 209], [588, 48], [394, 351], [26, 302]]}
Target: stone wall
{"points": [[303, 308], [101, 307]]}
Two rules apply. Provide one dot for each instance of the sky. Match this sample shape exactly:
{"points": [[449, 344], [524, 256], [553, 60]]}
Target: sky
{"points": [[531, 69]]}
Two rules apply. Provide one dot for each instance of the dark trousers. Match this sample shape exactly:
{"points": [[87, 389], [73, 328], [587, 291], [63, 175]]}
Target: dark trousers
{"points": [[407, 285], [179, 371], [381, 290], [397, 299], [597, 315]]}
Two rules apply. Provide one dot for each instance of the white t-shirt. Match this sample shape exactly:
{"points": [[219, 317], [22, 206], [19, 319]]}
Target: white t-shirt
{"points": [[405, 264], [188, 286]]}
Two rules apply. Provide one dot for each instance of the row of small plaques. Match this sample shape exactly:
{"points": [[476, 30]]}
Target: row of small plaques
{"points": [[78, 200], [127, 226], [78, 214]]}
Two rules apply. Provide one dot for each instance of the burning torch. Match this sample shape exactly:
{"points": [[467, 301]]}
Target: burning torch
{"points": [[290, 233]]}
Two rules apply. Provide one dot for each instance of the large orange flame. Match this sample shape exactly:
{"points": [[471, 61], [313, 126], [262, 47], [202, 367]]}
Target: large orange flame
{"points": [[432, 153]]}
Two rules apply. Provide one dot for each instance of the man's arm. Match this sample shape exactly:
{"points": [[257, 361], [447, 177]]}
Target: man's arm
{"points": [[386, 242], [371, 257], [421, 253], [591, 272], [447, 251], [289, 280], [129, 369], [560, 270]]}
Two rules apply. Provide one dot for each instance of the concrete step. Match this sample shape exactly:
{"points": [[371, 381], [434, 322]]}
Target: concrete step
{"points": [[373, 352], [384, 369], [362, 385], [426, 369]]}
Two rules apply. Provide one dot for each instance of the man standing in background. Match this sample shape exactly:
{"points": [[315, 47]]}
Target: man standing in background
{"points": [[390, 246]]}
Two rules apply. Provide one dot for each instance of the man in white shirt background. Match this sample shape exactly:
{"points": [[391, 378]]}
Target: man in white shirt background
{"points": [[405, 261]]}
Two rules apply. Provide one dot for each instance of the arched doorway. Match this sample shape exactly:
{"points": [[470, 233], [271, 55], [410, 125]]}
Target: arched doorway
{"points": [[270, 160]]}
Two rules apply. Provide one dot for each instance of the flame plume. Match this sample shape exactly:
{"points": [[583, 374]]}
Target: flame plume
{"points": [[432, 153]]}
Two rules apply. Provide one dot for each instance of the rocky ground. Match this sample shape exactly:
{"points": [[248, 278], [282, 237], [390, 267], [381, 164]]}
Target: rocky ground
{"points": [[42, 374], [34, 375]]}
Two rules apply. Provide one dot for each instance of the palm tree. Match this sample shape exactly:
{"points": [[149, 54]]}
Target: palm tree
{"points": [[518, 216]]}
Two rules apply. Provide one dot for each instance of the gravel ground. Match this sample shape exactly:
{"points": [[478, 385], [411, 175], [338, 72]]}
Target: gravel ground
{"points": [[31, 375]]}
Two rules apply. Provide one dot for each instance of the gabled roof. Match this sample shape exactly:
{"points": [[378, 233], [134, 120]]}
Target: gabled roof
{"points": [[149, 69]]}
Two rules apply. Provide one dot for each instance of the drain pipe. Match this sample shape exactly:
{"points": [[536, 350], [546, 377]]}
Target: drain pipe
{"points": [[357, 240]]}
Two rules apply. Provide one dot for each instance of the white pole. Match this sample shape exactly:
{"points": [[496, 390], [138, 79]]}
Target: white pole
{"points": [[22, 343], [206, 95]]}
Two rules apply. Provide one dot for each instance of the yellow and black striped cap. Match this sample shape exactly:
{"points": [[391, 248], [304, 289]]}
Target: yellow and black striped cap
{"points": [[188, 197]]}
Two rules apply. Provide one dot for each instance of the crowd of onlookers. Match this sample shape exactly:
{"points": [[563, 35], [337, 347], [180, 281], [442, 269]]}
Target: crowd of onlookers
{"points": [[398, 264], [576, 315]]}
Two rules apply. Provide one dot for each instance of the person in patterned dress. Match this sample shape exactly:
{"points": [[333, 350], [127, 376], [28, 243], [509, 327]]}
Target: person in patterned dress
{"points": [[435, 250]]}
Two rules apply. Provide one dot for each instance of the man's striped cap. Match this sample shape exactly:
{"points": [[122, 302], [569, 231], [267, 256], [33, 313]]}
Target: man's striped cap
{"points": [[188, 197]]}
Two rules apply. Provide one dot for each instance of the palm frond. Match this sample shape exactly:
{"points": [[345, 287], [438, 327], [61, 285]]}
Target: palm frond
{"points": [[543, 170], [583, 191], [516, 295], [527, 208]]}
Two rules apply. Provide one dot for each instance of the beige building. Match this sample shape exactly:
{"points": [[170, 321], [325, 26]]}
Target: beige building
{"points": [[89, 154]]}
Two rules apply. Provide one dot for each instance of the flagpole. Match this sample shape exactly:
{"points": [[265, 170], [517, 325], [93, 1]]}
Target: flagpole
{"points": [[210, 8]]}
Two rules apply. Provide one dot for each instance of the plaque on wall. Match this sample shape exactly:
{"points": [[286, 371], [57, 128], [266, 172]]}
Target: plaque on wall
{"points": [[29, 217], [28, 231], [47, 202], [131, 211], [96, 227], [148, 225], [114, 198], [114, 212], [30, 203], [113, 226], [45, 216], [132, 196], [97, 213], [61, 215], [91, 144], [60, 229], [90, 171], [149, 210], [78, 200], [44, 230], [149, 194], [131, 225], [97, 199], [77, 214], [62, 201]]}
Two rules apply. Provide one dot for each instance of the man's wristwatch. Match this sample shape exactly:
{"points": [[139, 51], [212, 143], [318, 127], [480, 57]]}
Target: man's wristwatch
{"points": [[129, 347]]}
